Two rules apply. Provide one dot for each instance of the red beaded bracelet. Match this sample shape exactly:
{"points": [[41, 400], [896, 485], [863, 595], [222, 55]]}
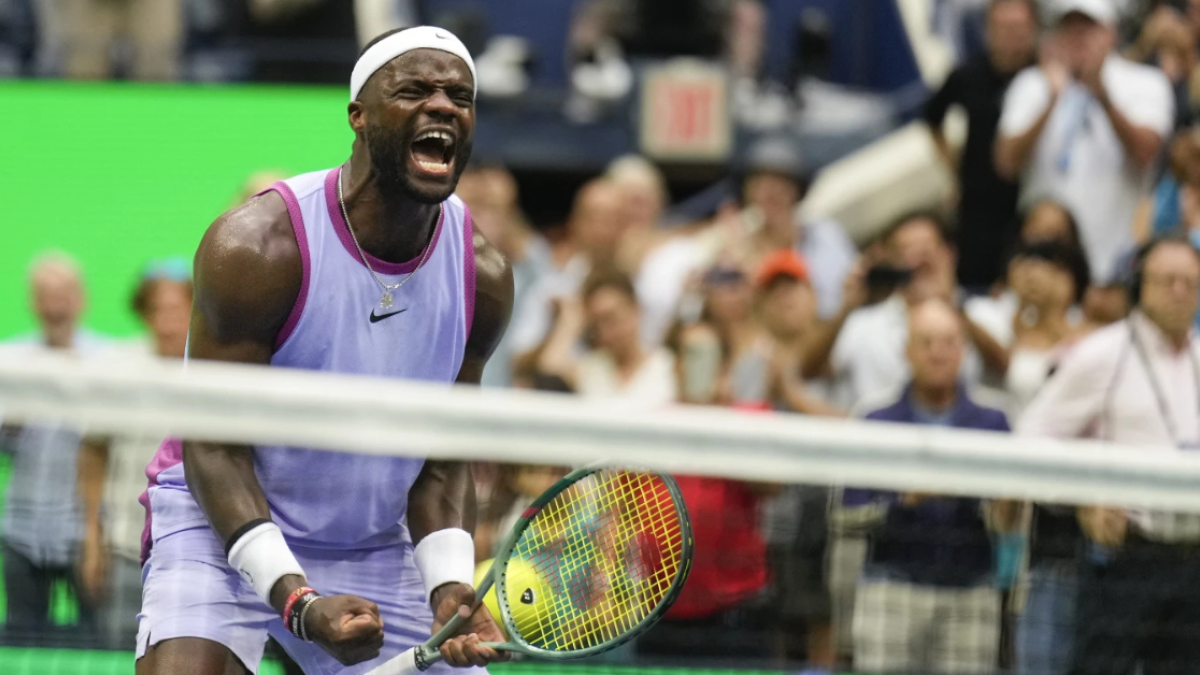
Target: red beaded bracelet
{"points": [[291, 601]]}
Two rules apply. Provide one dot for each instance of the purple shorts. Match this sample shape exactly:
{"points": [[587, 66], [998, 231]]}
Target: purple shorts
{"points": [[189, 590]]}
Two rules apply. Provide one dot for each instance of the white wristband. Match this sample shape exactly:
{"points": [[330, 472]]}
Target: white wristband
{"points": [[262, 557], [445, 557]]}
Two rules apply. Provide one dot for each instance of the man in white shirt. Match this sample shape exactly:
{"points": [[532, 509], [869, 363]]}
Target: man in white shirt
{"points": [[862, 347], [1136, 382], [1084, 128]]}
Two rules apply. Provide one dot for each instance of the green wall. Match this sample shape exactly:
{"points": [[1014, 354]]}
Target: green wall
{"points": [[119, 174]]}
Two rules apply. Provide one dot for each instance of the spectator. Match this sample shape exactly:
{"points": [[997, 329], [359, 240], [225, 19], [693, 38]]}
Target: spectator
{"points": [[112, 474], [927, 600], [722, 355], [644, 192], [1137, 383], [796, 518], [1049, 220], [786, 312], [862, 347], [1104, 305], [1162, 213], [731, 355], [1168, 41], [83, 36], [660, 261], [41, 528], [1049, 280], [490, 191], [1177, 58], [772, 188], [987, 203], [617, 366], [594, 232], [1036, 316], [1085, 128], [722, 611]]}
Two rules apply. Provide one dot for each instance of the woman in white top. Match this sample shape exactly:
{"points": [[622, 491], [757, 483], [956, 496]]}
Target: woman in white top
{"points": [[1048, 281], [615, 365], [1037, 316]]}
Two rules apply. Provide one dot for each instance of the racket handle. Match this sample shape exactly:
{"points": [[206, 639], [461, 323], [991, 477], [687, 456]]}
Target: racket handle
{"points": [[405, 663]]}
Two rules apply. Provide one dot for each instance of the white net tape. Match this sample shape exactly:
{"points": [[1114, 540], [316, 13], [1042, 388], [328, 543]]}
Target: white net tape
{"points": [[250, 404]]}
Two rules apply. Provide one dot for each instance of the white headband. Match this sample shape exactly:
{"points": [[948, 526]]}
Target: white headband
{"points": [[421, 37]]}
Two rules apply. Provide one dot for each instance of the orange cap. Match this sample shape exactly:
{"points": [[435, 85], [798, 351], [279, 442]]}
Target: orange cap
{"points": [[786, 263]]}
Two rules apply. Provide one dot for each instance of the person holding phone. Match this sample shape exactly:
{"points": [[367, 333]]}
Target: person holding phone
{"points": [[862, 346]]}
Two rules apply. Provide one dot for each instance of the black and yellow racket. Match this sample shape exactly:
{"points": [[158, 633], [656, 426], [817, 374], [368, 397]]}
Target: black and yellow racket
{"points": [[596, 560]]}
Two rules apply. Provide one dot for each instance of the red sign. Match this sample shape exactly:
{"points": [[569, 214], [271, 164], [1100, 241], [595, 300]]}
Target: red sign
{"points": [[685, 112]]}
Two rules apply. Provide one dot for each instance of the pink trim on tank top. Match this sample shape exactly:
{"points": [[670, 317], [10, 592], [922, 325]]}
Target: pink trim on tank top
{"points": [[468, 267], [297, 218], [169, 454], [344, 236]]}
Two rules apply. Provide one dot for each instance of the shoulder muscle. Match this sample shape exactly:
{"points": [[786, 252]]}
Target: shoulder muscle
{"points": [[248, 275]]}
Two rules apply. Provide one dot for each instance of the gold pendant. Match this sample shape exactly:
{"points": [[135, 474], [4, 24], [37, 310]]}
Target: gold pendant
{"points": [[385, 301]]}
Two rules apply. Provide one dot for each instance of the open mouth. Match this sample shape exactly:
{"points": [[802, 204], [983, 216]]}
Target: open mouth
{"points": [[433, 152]]}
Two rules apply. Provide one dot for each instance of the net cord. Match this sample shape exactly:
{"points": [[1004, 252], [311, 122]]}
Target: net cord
{"points": [[254, 404]]}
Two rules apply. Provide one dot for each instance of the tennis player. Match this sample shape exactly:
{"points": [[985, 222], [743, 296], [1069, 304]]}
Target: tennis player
{"points": [[372, 268]]}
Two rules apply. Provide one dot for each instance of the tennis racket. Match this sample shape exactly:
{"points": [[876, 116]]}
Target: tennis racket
{"points": [[596, 560]]}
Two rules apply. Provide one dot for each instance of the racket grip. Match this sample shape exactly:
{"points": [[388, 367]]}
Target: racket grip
{"points": [[404, 664]]}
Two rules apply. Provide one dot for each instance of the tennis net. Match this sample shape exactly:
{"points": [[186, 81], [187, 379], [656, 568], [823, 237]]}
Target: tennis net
{"points": [[826, 543]]}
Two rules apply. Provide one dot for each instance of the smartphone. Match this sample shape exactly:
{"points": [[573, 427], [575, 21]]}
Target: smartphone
{"points": [[701, 368], [887, 277]]}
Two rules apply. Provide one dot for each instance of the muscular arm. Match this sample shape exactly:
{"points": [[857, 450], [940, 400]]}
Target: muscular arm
{"points": [[443, 496], [248, 275]]}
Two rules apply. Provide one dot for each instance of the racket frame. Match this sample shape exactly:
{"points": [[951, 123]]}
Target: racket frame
{"points": [[427, 654], [499, 569]]}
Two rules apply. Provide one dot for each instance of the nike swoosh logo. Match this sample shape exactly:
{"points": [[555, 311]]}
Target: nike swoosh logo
{"points": [[376, 318]]}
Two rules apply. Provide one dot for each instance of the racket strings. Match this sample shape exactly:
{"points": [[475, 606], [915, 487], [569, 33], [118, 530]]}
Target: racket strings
{"points": [[606, 552]]}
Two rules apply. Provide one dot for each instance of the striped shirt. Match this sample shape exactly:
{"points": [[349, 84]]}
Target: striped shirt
{"points": [[42, 517]]}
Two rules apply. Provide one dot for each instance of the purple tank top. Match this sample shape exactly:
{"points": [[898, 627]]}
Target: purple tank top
{"points": [[333, 499]]}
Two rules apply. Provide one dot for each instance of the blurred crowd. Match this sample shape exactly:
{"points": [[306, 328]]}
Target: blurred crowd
{"points": [[318, 40], [1055, 296]]}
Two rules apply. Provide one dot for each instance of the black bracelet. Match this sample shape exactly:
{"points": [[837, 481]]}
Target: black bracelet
{"points": [[241, 531], [295, 619], [303, 614]]}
